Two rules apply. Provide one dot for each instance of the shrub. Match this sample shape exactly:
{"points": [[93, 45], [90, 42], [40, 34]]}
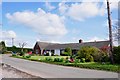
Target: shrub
{"points": [[56, 59], [56, 55], [83, 60], [61, 59], [105, 58], [65, 54], [116, 54], [91, 59], [68, 50], [66, 60], [22, 53], [89, 53], [25, 50], [77, 61], [28, 56], [48, 59], [13, 54]]}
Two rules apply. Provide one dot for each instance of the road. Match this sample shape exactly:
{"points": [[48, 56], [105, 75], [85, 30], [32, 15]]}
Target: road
{"points": [[45, 70]]}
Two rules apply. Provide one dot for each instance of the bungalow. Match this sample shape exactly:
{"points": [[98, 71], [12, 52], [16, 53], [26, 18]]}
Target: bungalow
{"points": [[43, 47]]}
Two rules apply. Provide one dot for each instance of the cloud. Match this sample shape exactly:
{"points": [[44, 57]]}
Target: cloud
{"points": [[40, 21], [8, 34], [62, 8], [49, 6], [82, 11], [86, 9], [113, 4]]}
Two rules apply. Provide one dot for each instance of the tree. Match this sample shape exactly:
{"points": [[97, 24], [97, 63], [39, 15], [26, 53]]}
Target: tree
{"points": [[22, 45], [116, 31], [0, 48], [3, 47], [14, 49]]}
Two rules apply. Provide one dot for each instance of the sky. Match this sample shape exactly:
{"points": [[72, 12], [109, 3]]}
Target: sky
{"points": [[56, 22]]}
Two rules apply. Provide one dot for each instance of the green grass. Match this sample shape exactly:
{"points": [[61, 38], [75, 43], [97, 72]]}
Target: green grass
{"points": [[87, 65], [43, 57]]}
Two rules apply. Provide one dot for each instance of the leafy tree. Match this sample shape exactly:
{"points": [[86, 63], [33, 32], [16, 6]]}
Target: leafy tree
{"points": [[0, 48], [14, 49], [3, 47]]}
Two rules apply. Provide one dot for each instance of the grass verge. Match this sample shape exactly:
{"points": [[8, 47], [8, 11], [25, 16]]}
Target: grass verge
{"points": [[88, 65]]}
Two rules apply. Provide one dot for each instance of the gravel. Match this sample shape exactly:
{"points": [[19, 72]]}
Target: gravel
{"points": [[10, 72]]}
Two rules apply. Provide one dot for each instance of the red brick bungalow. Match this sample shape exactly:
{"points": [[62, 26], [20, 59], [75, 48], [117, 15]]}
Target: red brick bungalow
{"points": [[42, 47]]}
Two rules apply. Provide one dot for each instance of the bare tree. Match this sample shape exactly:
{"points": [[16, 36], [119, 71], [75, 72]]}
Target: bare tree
{"points": [[116, 31], [22, 45]]}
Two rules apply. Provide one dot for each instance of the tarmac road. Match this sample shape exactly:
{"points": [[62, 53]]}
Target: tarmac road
{"points": [[45, 70]]}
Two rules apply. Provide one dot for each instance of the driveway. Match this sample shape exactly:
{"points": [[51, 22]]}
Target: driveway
{"points": [[45, 70]]}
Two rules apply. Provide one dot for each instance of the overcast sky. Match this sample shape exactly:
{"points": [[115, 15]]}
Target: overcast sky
{"points": [[57, 22]]}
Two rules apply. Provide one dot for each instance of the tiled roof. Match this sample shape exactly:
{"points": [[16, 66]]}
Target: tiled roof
{"points": [[51, 46]]}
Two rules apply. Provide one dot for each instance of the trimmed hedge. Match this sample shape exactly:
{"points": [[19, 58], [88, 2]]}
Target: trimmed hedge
{"points": [[18, 49]]}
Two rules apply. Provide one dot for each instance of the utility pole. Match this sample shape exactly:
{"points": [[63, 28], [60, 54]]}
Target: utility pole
{"points": [[12, 41], [110, 32]]}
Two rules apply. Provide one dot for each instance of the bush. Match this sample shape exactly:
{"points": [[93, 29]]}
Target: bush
{"points": [[22, 53], [65, 54], [28, 56], [91, 59], [77, 61], [89, 53], [66, 60], [13, 54], [116, 54], [48, 59], [69, 51], [58, 59], [83, 60], [61, 59], [105, 58], [56, 55]]}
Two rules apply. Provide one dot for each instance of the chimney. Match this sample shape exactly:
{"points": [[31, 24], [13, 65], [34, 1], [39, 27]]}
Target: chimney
{"points": [[80, 41]]}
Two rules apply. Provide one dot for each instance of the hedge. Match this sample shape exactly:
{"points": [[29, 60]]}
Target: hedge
{"points": [[18, 49]]}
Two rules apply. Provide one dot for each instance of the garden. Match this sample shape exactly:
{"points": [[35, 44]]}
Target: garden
{"points": [[87, 57]]}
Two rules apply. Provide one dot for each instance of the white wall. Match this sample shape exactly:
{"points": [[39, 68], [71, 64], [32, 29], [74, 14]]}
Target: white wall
{"points": [[57, 51]]}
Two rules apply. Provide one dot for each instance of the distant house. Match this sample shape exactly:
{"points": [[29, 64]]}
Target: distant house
{"points": [[43, 47]]}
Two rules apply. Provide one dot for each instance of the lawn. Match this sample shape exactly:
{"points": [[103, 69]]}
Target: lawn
{"points": [[88, 65], [43, 57]]}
